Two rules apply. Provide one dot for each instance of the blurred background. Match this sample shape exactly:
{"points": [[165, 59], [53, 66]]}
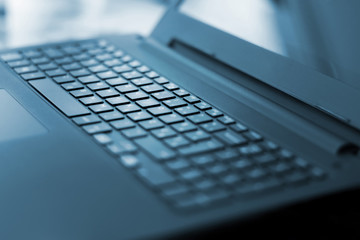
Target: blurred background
{"points": [[24, 22]]}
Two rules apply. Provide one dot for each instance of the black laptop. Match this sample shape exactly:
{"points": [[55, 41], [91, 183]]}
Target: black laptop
{"points": [[207, 121]]}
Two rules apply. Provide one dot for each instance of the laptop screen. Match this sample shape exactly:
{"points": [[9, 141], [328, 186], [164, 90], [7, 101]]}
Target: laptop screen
{"points": [[320, 34]]}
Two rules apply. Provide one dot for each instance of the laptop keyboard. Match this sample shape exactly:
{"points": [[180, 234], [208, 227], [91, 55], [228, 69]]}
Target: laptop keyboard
{"points": [[189, 152]]}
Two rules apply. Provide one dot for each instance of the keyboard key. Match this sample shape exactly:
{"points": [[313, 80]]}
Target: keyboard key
{"points": [[250, 149], [117, 100], [81, 93], [80, 73], [161, 80], [98, 86], [192, 99], [199, 118], [148, 103], [155, 175], [155, 148], [227, 154], [253, 136], [157, 111], [191, 174], [203, 160], [152, 74], [181, 93], [107, 93], [204, 184], [178, 164], [174, 103], [127, 88], [139, 116], [130, 161], [89, 62], [72, 86], [176, 142], [184, 127], [171, 118], [84, 120], [131, 75], [256, 174], [203, 106], [53, 53], [185, 111], [40, 60], [217, 169], [97, 128], [122, 69], [26, 69], [297, 178], [198, 135], [152, 88], [141, 81], [171, 86], [112, 62], [128, 108], [151, 124], [174, 190], [226, 120], [269, 145], [134, 96], [103, 57], [64, 79], [55, 73], [143, 69], [107, 75], [214, 113], [242, 164], [109, 116], [19, 63], [32, 53], [134, 132], [89, 79], [72, 66], [61, 99], [281, 168], [231, 138], [116, 81], [99, 108], [122, 124], [231, 179], [164, 95], [121, 146], [238, 127], [11, 56], [98, 68], [32, 76], [102, 138], [90, 100], [212, 127], [266, 158], [63, 60], [164, 132], [126, 58], [201, 147]]}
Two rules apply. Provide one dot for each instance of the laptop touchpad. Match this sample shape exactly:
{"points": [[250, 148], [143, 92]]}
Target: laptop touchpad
{"points": [[15, 121]]}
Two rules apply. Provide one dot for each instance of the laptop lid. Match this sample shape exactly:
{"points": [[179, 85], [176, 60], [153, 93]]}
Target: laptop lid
{"points": [[307, 49]]}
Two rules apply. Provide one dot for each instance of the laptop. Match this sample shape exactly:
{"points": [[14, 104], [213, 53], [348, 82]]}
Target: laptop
{"points": [[203, 123]]}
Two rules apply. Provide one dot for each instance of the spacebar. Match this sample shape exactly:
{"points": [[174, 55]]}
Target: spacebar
{"points": [[57, 96]]}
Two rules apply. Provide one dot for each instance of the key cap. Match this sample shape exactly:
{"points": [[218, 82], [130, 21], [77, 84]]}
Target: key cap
{"points": [[89, 63], [72, 66], [64, 79], [203, 160], [192, 99], [112, 62], [55, 73], [148, 103], [212, 127], [238, 127], [178, 164], [214, 113], [201, 147], [122, 69], [19, 63], [199, 118], [97, 128], [143, 69], [191, 174], [203, 106], [102, 138], [164, 95], [185, 111], [117, 101], [227, 154], [99, 108], [134, 132], [176, 142], [58, 97], [98, 68], [81, 93], [152, 74], [226, 120], [72, 86], [89, 79], [155, 148], [197, 135], [130, 161], [250, 149], [139, 95], [26, 69], [80, 73], [11, 56], [121, 145], [253, 136], [163, 132], [141, 81], [107, 75], [131, 75], [109, 116], [63, 60], [32, 76], [128, 108], [171, 86], [181, 93], [184, 127], [155, 175], [127, 88], [32, 53], [88, 119], [107, 93], [157, 111], [116, 81], [90, 100], [122, 124], [161, 80], [152, 88], [151, 124], [171, 118], [98, 86], [174, 103], [126, 58], [40, 60], [231, 138], [139, 116], [103, 57]]}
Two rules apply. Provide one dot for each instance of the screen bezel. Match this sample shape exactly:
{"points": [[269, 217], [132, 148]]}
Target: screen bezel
{"points": [[298, 80]]}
